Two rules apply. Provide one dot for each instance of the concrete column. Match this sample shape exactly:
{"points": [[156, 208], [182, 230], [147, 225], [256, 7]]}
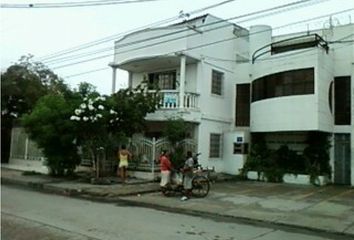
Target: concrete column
{"points": [[182, 79], [130, 80], [114, 73]]}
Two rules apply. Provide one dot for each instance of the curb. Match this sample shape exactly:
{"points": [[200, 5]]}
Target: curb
{"points": [[117, 198], [241, 220]]}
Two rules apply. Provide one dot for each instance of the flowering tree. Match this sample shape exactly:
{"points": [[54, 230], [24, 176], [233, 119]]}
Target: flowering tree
{"points": [[102, 120], [91, 118]]}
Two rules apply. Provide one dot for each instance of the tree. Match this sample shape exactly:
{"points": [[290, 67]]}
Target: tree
{"points": [[22, 84], [103, 121], [50, 127], [176, 131]]}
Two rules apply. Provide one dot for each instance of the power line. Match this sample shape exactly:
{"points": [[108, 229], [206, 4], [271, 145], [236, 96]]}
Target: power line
{"points": [[269, 58], [265, 12], [116, 36], [233, 60], [199, 46], [83, 73], [72, 4]]}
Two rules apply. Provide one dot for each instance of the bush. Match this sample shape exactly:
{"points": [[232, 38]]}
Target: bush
{"points": [[50, 127]]}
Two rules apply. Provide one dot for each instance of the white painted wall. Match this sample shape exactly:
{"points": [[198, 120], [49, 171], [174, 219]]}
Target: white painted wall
{"points": [[232, 162], [151, 43], [323, 78], [205, 128]]}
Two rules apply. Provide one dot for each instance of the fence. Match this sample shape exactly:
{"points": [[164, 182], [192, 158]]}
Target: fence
{"points": [[146, 151], [22, 147]]}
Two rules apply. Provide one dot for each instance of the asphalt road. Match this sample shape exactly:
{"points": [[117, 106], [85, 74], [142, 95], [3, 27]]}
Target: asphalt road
{"points": [[32, 215]]}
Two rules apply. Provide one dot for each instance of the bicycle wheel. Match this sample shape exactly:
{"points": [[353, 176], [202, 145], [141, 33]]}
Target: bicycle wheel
{"points": [[200, 186]]}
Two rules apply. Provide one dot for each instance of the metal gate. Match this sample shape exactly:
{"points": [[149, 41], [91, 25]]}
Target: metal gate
{"points": [[146, 151], [342, 159]]}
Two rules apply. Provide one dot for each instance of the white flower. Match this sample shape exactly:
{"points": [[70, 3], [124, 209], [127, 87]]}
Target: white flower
{"points": [[85, 119], [90, 107], [99, 115], [112, 112], [100, 107], [111, 121], [75, 118], [77, 111], [90, 101], [85, 98], [83, 105], [3, 112], [14, 114]]}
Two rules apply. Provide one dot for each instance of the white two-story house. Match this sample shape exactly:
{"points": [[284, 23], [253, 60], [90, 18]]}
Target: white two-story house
{"points": [[230, 83]]}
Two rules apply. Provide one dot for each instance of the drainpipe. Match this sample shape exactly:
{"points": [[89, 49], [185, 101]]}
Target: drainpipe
{"points": [[181, 81]]}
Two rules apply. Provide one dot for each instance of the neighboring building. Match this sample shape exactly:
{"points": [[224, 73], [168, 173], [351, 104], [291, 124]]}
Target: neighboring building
{"points": [[230, 83]]}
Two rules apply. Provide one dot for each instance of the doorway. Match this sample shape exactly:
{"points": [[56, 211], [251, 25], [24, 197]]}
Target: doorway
{"points": [[342, 160]]}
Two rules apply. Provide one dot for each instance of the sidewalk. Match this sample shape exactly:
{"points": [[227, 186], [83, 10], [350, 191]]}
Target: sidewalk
{"points": [[329, 208]]}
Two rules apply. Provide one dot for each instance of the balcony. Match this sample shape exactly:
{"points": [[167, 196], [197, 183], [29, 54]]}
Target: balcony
{"points": [[170, 100], [170, 107]]}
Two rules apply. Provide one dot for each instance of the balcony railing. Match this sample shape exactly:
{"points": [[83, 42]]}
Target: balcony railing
{"points": [[170, 100]]}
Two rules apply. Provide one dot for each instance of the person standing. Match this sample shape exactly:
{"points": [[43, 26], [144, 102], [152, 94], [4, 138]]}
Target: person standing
{"points": [[188, 176], [124, 156], [165, 167]]}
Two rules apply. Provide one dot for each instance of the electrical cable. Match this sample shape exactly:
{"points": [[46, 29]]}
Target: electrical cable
{"points": [[116, 36], [195, 47], [280, 9], [72, 4]]}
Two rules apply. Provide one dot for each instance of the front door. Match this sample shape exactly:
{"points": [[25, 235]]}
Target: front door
{"points": [[342, 159]]}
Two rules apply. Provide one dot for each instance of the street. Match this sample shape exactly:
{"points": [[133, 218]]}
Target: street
{"points": [[32, 215]]}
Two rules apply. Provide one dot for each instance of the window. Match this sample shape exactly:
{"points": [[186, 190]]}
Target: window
{"points": [[215, 145], [294, 82], [162, 80], [243, 98], [217, 82], [342, 101]]}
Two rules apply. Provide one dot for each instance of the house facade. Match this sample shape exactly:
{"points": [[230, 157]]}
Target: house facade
{"points": [[231, 84]]}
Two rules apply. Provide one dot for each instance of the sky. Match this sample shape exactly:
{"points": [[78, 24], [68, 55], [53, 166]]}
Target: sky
{"points": [[43, 32]]}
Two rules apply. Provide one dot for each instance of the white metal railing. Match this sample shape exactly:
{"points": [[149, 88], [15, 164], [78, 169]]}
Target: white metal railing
{"points": [[170, 100]]}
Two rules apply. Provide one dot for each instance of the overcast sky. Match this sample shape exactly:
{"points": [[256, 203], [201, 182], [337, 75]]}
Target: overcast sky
{"points": [[44, 31]]}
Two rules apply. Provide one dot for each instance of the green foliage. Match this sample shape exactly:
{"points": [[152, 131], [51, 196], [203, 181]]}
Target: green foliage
{"points": [[176, 131], [103, 122], [49, 126], [275, 163], [22, 84], [131, 106], [316, 155]]}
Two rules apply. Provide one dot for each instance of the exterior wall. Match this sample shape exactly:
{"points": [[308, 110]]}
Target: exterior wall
{"points": [[155, 46], [233, 162], [286, 113], [324, 71], [205, 128]]}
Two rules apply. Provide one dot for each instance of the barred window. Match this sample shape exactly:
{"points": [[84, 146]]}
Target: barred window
{"points": [[215, 145], [217, 79], [162, 80]]}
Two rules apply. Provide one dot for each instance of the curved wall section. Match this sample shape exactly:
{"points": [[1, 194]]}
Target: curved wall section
{"points": [[292, 113], [292, 82]]}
